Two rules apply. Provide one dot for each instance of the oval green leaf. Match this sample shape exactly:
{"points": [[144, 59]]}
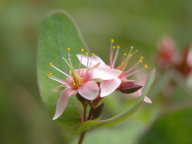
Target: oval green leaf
{"points": [[58, 32]]}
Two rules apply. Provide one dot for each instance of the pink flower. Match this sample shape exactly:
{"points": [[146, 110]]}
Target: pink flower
{"points": [[82, 81], [108, 86], [167, 55], [185, 64]]}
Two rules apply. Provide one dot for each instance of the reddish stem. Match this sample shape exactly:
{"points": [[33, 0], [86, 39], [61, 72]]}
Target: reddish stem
{"points": [[84, 111], [92, 107]]}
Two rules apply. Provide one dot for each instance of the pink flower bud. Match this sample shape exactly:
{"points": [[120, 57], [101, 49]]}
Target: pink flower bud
{"points": [[185, 65], [166, 52], [128, 87]]}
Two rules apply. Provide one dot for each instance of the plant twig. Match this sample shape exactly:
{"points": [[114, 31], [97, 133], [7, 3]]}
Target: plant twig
{"points": [[84, 111], [81, 138], [92, 107]]}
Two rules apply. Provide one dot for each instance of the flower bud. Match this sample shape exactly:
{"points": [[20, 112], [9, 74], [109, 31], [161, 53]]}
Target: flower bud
{"points": [[128, 87], [166, 53], [185, 65], [97, 111]]}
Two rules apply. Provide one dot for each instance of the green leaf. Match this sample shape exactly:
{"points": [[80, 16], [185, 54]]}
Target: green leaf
{"points": [[58, 32], [122, 116], [173, 127], [127, 133]]}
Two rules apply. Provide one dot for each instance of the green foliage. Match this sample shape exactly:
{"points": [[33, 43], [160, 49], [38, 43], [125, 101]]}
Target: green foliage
{"points": [[172, 128], [58, 32], [125, 133]]}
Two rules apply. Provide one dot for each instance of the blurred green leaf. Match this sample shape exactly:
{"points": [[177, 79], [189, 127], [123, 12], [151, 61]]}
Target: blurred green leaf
{"points": [[172, 128], [126, 133], [58, 33], [122, 116]]}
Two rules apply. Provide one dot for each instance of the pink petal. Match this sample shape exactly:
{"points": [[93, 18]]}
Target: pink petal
{"points": [[93, 60], [139, 92], [105, 73], [109, 86], [89, 90], [62, 102], [189, 57], [147, 100], [95, 66]]}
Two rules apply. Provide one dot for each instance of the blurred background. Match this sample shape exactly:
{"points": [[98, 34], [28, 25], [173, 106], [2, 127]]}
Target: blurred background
{"points": [[141, 23]]}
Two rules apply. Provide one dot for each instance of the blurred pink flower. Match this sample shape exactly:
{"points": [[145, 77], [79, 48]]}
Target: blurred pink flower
{"points": [[185, 64], [169, 57], [166, 55]]}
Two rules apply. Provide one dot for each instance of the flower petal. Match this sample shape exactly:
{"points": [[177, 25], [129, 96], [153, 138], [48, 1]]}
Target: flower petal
{"points": [[147, 100], [89, 90], [105, 73], [62, 102], [189, 57], [93, 60], [109, 86]]}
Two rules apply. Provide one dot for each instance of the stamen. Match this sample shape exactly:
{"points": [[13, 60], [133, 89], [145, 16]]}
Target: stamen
{"points": [[68, 49], [50, 64], [116, 55], [111, 52], [82, 50], [146, 66], [76, 77], [112, 40], [132, 54], [69, 55], [123, 58], [89, 66], [69, 59], [141, 61], [87, 69], [92, 54], [131, 68], [66, 61], [50, 75], [141, 57], [118, 47], [125, 61], [130, 51], [74, 84], [130, 74], [87, 58], [86, 53]]}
